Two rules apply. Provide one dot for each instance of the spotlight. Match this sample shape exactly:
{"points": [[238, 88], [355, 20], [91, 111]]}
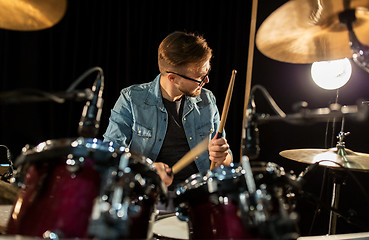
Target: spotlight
{"points": [[331, 75]]}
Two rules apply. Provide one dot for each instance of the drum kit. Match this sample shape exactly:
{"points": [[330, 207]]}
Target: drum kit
{"points": [[86, 188]]}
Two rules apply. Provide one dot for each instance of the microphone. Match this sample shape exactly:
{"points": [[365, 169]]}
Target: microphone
{"points": [[299, 182], [250, 133], [301, 179], [90, 121]]}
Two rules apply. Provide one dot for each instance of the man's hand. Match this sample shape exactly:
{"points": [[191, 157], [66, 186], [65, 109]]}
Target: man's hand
{"points": [[164, 172], [218, 151]]}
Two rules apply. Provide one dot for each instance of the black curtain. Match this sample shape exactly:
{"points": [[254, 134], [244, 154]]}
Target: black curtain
{"points": [[122, 38]]}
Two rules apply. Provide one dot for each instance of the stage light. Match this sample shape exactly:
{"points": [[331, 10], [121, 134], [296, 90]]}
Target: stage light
{"points": [[331, 75]]}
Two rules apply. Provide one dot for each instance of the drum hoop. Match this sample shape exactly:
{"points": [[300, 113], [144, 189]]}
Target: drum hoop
{"points": [[80, 147], [218, 175]]}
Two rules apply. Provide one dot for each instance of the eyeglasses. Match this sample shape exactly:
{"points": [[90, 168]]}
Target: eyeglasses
{"points": [[188, 78]]}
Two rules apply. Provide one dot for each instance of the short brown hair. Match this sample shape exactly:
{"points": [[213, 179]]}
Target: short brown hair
{"points": [[179, 49]]}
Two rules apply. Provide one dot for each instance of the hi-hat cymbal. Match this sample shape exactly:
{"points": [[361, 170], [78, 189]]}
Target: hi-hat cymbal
{"points": [[30, 15], [345, 157], [307, 31]]}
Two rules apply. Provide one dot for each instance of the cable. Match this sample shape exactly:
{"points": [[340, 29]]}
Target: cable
{"points": [[32, 94], [269, 98], [83, 76]]}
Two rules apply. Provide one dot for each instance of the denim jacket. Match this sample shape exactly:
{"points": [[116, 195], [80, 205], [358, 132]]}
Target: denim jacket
{"points": [[139, 121]]}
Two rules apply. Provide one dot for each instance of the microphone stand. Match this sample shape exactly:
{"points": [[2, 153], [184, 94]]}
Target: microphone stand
{"points": [[89, 123]]}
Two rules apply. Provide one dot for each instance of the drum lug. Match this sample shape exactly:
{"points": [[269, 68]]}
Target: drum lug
{"points": [[255, 206], [52, 235], [181, 212]]}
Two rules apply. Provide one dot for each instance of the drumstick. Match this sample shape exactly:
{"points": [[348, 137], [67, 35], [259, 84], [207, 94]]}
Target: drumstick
{"points": [[190, 156], [225, 109]]}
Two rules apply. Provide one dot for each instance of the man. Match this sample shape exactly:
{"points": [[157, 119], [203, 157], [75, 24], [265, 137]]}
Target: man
{"points": [[165, 118]]}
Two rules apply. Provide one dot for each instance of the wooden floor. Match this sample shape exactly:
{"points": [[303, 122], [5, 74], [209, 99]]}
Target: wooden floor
{"points": [[4, 217]]}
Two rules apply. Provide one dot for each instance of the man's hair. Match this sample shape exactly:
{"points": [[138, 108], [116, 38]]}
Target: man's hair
{"points": [[179, 49]]}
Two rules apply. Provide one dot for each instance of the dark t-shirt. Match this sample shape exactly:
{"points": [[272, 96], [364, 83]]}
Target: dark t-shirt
{"points": [[175, 144]]}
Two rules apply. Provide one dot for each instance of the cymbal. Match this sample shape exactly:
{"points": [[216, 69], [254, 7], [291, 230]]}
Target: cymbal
{"points": [[345, 157], [30, 15], [307, 31]]}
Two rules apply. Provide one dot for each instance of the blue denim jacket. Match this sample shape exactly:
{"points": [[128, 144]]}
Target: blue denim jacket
{"points": [[139, 121]]}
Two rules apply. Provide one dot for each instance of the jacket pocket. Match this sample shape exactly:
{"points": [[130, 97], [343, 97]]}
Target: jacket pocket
{"points": [[205, 130], [142, 131]]}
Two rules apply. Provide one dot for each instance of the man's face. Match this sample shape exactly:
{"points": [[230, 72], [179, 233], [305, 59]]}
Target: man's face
{"points": [[193, 79]]}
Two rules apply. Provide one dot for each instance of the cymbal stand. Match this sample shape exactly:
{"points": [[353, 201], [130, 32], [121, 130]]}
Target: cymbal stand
{"points": [[337, 182]]}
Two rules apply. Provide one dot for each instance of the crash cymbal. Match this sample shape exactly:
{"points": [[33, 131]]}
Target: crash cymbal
{"points": [[345, 157], [30, 15], [307, 31]]}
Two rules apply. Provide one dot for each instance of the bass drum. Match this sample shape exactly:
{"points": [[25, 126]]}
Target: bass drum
{"points": [[59, 181], [217, 205]]}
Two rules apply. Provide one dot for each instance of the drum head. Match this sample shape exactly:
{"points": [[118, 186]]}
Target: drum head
{"points": [[171, 227]]}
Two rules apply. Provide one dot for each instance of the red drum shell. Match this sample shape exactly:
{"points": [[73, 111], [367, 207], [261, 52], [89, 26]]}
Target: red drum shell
{"points": [[57, 197]]}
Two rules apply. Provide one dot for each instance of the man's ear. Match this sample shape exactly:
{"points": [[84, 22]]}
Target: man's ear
{"points": [[171, 77]]}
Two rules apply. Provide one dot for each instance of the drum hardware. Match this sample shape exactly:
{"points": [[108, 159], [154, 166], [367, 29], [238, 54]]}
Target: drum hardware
{"points": [[31, 15], [125, 208], [360, 51], [250, 132], [337, 158], [308, 116]]}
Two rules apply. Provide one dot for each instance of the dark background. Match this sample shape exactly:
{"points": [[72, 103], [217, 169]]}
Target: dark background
{"points": [[122, 38]]}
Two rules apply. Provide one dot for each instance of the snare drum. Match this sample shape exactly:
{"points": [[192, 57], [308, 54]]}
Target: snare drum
{"points": [[170, 228], [59, 180]]}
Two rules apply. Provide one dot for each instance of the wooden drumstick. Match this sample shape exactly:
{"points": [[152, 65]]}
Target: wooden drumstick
{"points": [[225, 109], [190, 156]]}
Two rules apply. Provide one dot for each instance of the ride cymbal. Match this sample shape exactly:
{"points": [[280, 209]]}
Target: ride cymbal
{"points": [[307, 31], [328, 157], [30, 15]]}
